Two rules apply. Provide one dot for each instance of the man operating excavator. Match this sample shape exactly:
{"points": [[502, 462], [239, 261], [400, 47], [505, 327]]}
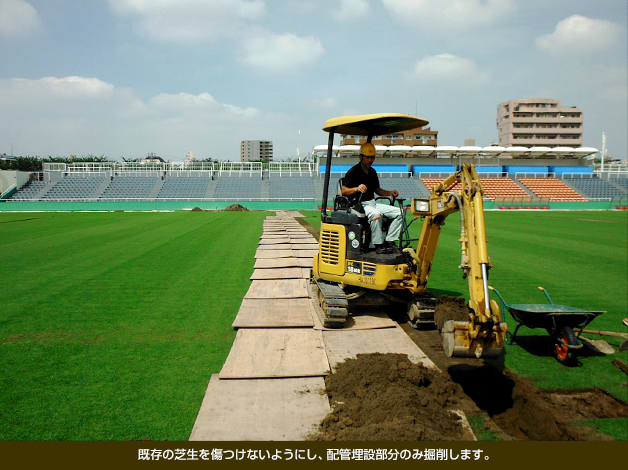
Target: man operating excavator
{"points": [[362, 178]]}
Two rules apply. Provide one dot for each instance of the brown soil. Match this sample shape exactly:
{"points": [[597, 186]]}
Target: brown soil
{"points": [[385, 397], [197, 209], [450, 308], [236, 207]]}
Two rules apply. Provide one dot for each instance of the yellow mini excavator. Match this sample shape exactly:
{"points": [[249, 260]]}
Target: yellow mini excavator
{"points": [[346, 272]]}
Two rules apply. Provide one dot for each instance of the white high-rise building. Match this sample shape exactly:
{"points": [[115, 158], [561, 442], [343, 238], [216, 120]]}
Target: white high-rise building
{"points": [[536, 122]]}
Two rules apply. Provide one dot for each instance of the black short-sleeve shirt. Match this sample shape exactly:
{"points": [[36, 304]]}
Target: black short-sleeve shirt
{"points": [[356, 176]]}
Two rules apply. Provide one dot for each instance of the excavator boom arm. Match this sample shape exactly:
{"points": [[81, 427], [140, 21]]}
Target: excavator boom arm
{"points": [[485, 330]]}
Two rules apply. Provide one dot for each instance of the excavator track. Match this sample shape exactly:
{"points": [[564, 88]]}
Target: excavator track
{"points": [[330, 303]]}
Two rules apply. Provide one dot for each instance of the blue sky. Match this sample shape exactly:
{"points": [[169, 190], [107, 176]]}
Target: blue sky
{"points": [[123, 78]]}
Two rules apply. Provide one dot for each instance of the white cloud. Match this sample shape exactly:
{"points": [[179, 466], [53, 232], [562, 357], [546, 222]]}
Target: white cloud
{"points": [[450, 13], [190, 20], [269, 52], [53, 91], [351, 10], [450, 68], [17, 17], [203, 104], [580, 35], [79, 115]]}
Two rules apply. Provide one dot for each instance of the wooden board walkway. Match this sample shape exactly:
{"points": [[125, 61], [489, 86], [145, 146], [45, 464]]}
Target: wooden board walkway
{"points": [[271, 386]]}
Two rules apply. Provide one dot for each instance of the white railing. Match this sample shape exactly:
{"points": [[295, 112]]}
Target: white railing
{"points": [[290, 168], [239, 168], [533, 175], [54, 166]]}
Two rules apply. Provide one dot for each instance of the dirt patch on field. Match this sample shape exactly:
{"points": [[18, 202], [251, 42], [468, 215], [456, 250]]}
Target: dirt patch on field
{"points": [[236, 207], [385, 397], [589, 403], [450, 308]]}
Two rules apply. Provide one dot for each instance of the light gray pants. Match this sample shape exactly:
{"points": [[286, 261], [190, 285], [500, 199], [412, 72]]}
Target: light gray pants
{"points": [[374, 212]]}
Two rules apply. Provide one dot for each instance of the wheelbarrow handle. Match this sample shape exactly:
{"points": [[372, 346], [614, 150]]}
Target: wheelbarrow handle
{"points": [[546, 294], [491, 288]]}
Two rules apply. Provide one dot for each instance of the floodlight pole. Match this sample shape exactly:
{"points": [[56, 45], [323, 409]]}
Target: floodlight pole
{"points": [[603, 151]]}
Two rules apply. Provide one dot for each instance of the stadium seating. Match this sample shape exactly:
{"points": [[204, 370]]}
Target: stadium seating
{"points": [[28, 190], [623, 182], [184, 187], [558, 183], [238, 187], [130, 187], [594, 187], [291, 187], [551, 188], [407, 187], [494, 188], [75, 187]]}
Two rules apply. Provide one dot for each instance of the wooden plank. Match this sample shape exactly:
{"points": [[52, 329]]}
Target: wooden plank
{"points": [[277, 289], [305, 262], [276, 352], [304, 253], [267, 236], [278, 273], [274, 313], [274, 253], [305, 246], [303, 241], [277, 263], [261, 410], [294, 214], [361, 320], [274, 246], [275, 241], [343, 344]]}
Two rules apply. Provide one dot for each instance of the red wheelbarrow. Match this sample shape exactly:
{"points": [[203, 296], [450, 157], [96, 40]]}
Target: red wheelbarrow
{"points": [[562, 322]]}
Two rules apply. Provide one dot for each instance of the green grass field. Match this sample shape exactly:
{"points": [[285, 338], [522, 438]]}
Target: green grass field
{"points": [[112, 323]]}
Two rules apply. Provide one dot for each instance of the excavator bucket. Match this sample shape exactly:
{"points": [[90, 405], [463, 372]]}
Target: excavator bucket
{"points": [[464, 339]]}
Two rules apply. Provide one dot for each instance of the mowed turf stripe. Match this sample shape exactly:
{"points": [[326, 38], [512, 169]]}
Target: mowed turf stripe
{"points": [[157, 257]]}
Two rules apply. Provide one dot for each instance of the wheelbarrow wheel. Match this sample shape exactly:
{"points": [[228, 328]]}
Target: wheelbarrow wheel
{"points": [[563, 354]]}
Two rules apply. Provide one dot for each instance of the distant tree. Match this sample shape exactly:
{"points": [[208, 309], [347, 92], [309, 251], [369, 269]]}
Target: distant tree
{"points": [[22, 164]]}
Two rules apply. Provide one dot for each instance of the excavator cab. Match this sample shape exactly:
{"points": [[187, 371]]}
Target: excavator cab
{"points": [[354, 206]]}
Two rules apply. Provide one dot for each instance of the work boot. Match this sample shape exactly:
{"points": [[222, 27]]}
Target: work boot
{"points": [[391, 247], [381, 249]]}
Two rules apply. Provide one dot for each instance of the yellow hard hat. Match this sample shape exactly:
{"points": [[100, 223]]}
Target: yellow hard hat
{"points": [[367, 149]]}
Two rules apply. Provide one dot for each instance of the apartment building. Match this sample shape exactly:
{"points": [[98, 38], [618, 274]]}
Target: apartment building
{"points": [[537, 122], [417, 136], [256, 150]]}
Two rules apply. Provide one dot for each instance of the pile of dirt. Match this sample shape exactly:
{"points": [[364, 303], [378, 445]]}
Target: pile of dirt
{"points": [[197, 209], [236, 207], [385, 397], [450, 308]]}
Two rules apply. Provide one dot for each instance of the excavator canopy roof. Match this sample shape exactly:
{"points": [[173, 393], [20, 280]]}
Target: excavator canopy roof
{"points": [[373, 124]]}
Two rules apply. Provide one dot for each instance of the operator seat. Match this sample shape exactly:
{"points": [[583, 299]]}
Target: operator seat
{"points": [[342, 203]]}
